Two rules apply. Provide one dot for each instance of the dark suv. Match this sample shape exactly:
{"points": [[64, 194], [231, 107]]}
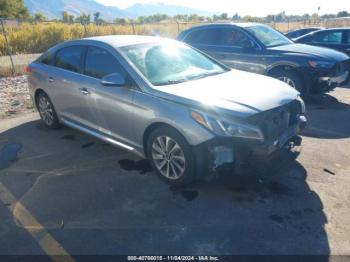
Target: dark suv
{"points": [[260, 49]]}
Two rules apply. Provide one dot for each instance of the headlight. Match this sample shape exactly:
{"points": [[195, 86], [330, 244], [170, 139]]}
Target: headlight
{"points": [[302, 104], [223, 128], [320, 64]]}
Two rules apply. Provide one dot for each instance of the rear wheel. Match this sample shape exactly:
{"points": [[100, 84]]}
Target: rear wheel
{"points": [[47, 111], [292, 79], [171, 156]]}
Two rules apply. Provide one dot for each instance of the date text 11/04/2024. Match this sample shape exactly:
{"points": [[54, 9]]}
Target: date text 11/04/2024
{"points": [[173, 258]]}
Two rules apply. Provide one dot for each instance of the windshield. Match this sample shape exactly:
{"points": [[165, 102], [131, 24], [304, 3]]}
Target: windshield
{"points": [[170, 63], [268, 36]]}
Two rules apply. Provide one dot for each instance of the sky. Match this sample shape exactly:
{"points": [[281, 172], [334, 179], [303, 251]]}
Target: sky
{"points": [[249, 7]]}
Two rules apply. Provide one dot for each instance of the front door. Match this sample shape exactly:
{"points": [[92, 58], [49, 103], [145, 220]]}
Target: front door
{"points": [[231, 46], [112, 106]]}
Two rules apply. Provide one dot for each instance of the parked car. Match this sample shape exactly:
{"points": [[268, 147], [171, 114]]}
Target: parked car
{"points": [[165, 101], [335, 38], [300, 32], [260, 49]]}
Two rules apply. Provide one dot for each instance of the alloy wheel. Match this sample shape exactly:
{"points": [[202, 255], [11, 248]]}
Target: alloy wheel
{"points": [[287, 80], [46, 111], [168, 157]]}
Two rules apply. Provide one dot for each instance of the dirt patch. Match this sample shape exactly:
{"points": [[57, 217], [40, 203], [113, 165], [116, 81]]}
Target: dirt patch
{"points": [[14, 97]]}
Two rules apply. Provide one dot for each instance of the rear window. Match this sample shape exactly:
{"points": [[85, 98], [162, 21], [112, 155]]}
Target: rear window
{"points": [[328, 37], [47, 58], [203, 37], [69, 58]]}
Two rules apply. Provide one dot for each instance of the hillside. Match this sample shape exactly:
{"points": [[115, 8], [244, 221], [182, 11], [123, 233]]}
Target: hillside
{"points": [[53, 9]]}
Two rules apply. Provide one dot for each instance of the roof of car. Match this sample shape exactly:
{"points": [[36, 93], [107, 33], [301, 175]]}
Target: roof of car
{"points": [[335, 28], [125, 40], [223, 24]]}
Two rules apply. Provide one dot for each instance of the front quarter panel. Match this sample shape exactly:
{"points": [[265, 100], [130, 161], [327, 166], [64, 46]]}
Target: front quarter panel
{"points": [[150, 109]]}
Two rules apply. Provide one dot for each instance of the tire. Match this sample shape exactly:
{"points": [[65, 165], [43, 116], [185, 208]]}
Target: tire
{"points": [[47, 111], [175, 165], [294, 80]]}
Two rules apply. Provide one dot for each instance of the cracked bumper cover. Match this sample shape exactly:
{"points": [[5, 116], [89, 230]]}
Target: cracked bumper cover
{"points": [[234, 152]]}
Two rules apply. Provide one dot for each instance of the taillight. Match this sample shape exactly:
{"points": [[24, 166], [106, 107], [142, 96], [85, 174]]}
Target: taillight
{"points": [[28, 69]]}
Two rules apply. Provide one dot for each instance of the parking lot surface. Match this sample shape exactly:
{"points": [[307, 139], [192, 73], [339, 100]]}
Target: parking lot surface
{"points": [[64, 192]]}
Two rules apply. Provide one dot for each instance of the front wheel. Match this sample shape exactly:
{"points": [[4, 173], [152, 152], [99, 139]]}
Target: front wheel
{"points": [[171, 156], [292, 79]]}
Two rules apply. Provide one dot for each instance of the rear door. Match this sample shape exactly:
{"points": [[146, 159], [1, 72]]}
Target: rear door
{"points": [[112, 106], [68, 95]]}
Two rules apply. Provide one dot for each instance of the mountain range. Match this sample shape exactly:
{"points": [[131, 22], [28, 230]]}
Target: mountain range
{"points": [[53, 9]]}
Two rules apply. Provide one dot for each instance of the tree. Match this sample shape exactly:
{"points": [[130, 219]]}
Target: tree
{"points": [[215, 17], [193, 17], [249, 18], [39, 17], [67, 18], [314, 17], [223, 16], [13, 9], [97, 19], [83, 19], [343, 14], [121, 21], [236, 17], [181, 18]]}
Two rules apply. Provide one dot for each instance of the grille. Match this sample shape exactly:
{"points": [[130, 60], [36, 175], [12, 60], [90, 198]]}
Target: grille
{"points": [[275, 122]]}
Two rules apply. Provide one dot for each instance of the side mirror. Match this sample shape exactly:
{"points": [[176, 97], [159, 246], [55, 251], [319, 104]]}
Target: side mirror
{"points": [[114, 79]]}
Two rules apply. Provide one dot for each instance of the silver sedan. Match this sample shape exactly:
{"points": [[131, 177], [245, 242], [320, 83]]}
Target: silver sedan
{"points": [[165, 101]]}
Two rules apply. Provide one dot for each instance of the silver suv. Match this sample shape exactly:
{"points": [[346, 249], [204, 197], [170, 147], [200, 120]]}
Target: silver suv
{"points": [[166, 101]]}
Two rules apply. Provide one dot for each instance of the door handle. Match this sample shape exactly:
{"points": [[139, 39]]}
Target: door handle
{"points": [[84, 91], [51, 79]]}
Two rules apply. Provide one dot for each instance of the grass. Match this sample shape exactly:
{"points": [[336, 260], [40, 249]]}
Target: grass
{"points": [[32, 38]]}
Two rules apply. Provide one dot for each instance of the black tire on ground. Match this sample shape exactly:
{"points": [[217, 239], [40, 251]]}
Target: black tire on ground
{"points": [[188, 175], [53, 123], [296, 80]]}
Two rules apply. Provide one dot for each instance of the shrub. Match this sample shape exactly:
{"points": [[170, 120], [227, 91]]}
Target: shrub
{"points": [[38, 37]]}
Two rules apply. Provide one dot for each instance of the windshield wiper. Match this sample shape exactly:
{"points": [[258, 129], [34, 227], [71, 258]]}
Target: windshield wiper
{"points": [[282, 44], [169, 82], [206, 74]]}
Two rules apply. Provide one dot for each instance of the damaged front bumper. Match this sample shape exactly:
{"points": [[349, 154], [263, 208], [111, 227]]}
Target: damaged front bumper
{"points": [[234, 153], [329, 83]]}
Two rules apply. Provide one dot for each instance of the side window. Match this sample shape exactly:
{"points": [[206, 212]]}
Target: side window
{"points": [[99, 63], [308, 38], [234, 38], [47, 58], [328, 37], [69, 58], [203, 37], [293, 35]]}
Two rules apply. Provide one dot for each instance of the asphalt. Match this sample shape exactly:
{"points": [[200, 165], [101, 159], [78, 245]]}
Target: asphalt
{"points": [[64, 192]]}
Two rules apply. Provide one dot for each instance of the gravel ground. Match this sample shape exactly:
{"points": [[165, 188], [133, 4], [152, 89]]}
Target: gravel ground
{"points": [[14, 97], [64, 192]]}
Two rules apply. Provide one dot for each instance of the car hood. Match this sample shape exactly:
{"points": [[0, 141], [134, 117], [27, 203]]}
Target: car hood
{"points": [[312, 51], [240, 92]]}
